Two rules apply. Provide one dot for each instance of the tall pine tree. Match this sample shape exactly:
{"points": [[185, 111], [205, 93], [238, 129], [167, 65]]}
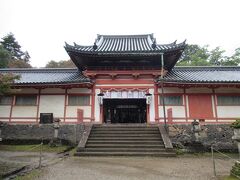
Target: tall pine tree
{"points": [[16, 57]]}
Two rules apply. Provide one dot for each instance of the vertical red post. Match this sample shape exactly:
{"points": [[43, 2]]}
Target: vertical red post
{"points": [[80, 115], [170, 116], [11, 109], [65, 105], [93, 103], [156, 102], [185, 104], [38, 103], [215, 104]]}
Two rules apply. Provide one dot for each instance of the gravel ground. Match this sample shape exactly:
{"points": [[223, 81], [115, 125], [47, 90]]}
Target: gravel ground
{"points": [[10, 161], [136, 168]]}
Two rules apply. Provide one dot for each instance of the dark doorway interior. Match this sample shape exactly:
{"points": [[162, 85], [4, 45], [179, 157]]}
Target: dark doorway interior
{"points": [[124, 110]]}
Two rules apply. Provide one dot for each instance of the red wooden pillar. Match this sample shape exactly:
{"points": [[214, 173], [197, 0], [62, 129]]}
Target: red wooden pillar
{"points": [[169, 116], [93, 103], [65, 105], [156, 103], [38, 104], [80, 115], [215, 104], [101, 114]]}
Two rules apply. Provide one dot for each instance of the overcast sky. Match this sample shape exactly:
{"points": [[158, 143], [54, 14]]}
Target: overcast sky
{"points": [[42, 26]]}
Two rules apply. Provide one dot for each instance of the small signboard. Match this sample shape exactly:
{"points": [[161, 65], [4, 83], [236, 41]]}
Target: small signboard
{"points": [[124, 95], [46, 118]]}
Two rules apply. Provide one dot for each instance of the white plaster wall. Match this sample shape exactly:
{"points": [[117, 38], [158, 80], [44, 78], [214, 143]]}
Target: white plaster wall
{"points": [[97, 107], [151, 108], [5, 111], [5, 120], [228, 111], [53, 90], [135, 85], [26, 91], [178, 111], [24, 111], [79, 90], [25, 120], [179, 120], [227, 90], [52, 104], [71, 111], [171, 90], [198, 90]]}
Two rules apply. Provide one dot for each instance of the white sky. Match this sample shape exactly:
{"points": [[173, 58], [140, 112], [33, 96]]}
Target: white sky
{"points": [[42, 26]]}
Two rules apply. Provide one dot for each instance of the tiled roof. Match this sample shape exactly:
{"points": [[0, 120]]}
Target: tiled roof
{"points": [[125, 44], [47, 76], [180, 75], [204, 75]]}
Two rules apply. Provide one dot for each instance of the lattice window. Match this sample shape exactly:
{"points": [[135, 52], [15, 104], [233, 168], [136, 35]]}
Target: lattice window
{"points": [[6, 100], [171, 100], [76, 100], [26, 100], [228, 100]]}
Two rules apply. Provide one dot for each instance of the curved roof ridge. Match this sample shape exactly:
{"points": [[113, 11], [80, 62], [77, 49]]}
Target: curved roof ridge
{"points": [[126, 36], [173, 43], [206, 66], [37, 69]]}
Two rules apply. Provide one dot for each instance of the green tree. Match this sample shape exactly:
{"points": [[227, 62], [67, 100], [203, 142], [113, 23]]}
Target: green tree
{"points": [[18, 64], [5, 56], [234, 60], [60, 64], [194, 55], [216, 57], [6, 81], [18, 58]]}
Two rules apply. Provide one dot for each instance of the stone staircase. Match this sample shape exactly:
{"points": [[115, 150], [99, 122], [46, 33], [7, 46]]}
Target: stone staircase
{"points": [[125, 140]]}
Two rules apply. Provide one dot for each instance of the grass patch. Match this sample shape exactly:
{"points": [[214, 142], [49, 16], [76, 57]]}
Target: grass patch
{"points": [[33, 148], [36, 173], [229, 178]]}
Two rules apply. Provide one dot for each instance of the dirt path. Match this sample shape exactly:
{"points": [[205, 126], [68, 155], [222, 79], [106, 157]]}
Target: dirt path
{"points": [[135, 168], [10, 160]]}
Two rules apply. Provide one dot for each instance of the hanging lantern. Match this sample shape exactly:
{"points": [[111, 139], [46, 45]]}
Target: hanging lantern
{"points": [[100, 98], [148, 98]]}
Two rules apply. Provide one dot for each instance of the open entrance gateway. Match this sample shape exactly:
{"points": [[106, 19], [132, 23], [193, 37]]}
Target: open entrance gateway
{"points": [[124, 110]]}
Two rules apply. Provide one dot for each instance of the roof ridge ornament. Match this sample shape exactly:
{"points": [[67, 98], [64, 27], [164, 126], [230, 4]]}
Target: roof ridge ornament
{"points": [[95, 46], [154, 44]]}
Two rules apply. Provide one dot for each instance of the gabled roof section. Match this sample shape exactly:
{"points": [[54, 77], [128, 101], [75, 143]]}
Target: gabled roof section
{"points": [[203, 75], [135, 51], [115, 44], [47, 76]]}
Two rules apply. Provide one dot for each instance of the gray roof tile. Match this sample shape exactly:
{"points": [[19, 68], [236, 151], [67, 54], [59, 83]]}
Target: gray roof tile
{"points": [[48, 76], [204, 75], [125, 44]]}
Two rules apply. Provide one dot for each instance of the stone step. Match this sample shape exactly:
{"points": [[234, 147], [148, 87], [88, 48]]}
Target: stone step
{"points": [[123, 135], [117, 145], [125, 132], [126, 138], [120, 129], [122, 142], [129, 149], [137, 153], [126, 125]]}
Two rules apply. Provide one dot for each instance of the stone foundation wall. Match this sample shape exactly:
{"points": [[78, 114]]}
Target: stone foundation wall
{"points": [[220, 136], [27, 133], [181, 135]]}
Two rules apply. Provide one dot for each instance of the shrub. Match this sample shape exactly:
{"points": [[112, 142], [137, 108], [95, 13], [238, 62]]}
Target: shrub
{"points": [[236, 124]]}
